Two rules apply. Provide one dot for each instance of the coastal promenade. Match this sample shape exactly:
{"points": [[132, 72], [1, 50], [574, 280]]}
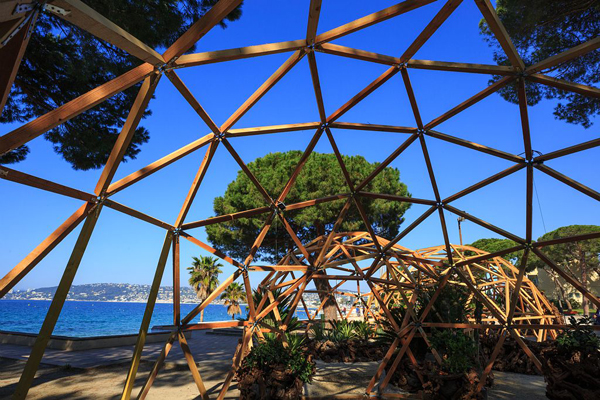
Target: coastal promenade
{"points": [[99, 373]]}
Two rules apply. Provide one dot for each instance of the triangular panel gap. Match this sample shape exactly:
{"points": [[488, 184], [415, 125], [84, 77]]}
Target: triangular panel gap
{"points": [[285, 22], [581, 167], [167, 188], [556, 204], [343, 78], [463, 168], [387, 105], [291, 100], [221, 88], [393, 36], [459, 39], [472, 123], [501, 204]]}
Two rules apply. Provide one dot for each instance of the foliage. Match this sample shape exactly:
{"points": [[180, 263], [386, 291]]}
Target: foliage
{"points": [[235, 238], [458, 350], [386, 334], [232, 295], [342, 331], [451, 305], [578, 259], [283, 308], [204, 275], [270, 352], [542, 28], [63, 62], [579, 337], [363, 330], [493, 245]]}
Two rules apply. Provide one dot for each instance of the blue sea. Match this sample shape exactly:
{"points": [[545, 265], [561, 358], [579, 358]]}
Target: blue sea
{"points": [[96, 318]]}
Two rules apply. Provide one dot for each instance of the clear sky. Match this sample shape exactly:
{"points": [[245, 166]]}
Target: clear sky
{"points": [[123, 249]]}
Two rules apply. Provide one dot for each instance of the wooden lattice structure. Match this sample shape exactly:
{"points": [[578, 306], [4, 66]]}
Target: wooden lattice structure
{"points": [[17, 19]]}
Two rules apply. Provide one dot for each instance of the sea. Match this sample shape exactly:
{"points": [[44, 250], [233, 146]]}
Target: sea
{"points": [[98, 318]]}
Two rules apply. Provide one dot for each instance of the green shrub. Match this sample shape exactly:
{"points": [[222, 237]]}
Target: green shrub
{"points": [[458, 350], [270, 352], [578, 337], [363, 330], [342, 331]]}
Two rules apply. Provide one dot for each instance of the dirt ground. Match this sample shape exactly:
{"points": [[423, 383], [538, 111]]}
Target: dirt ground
{"points": [[175, 381]]}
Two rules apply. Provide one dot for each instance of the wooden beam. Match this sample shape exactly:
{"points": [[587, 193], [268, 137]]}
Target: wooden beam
{"points": [[123, 141], [497, 28], [430, 29], [393, 197], [200, 28], [565, 56], [357, 54], [363, 93], [263, 89], [584, 90], [371, 19], [461, 67], [58, 300], [91, 21], [185, 208], [493, 88], [568, 150], [28, 263], [263, 130], [372, 127], [211, 250], [484, 224], [387, 161], [34, 181], [567, 239], [73, 108], [12, 54], [475, 146], [141, 338], [314, 74], [483, 183], [189, 97], [209, 57], [159, 164], [313, 21], [569, 182], [137, 214]]}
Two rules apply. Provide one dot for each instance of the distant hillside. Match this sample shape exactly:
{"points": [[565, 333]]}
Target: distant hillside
{"points": [[123, 292]]}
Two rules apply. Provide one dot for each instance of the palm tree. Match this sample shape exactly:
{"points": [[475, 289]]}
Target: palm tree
{"points": [[232, 296], [204, 277]]}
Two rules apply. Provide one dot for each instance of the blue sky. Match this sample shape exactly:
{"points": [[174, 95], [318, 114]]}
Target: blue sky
{"points": [[123, 249]]}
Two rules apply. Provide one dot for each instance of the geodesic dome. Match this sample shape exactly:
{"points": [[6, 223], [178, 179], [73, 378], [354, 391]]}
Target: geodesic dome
{"points": [[17, 20]]}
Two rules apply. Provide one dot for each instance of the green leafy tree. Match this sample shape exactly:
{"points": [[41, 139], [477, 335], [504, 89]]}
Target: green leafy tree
{"points": [[320, 177], [542, 28], [63, 62], [493, 245], [204, 277], [232, 296], [580, 259]]}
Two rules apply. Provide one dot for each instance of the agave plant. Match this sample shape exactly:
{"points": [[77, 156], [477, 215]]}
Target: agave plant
{"points": [[342, 331], [363, 330]]}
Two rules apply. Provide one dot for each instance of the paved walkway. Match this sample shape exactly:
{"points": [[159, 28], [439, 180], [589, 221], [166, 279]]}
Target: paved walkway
{"points": [[100, 373], [204, 347]]}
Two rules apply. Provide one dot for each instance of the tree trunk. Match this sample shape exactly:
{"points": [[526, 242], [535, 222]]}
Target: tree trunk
{"points": [[585, 303], [202, 315], [561, 290], [329, 302]]}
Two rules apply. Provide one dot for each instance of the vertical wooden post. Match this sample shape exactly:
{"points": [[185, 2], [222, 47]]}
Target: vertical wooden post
{"points": [[139, 345], [58, 301], [176, 282]]}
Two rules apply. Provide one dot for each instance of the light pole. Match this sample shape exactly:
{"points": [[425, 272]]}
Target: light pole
{"points": [[460, 219]]}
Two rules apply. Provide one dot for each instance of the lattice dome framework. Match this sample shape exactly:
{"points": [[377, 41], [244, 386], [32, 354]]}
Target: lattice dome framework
{"points": [[393, 272]]}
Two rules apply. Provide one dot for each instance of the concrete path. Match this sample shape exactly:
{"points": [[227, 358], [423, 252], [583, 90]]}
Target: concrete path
{"points": [[100, 373], [203, 346]]}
